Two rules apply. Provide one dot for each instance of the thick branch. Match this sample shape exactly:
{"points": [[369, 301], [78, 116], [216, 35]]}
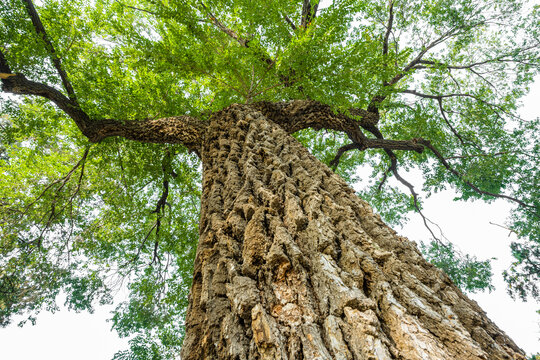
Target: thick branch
{"points": [[342, 150], [296, 115], [20, 85], [184, 130], [302, 114]]}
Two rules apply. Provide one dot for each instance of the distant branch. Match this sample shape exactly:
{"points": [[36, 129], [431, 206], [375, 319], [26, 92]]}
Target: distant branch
{"points": [[290, 22], [137, 9], [377, 99], [388, 27], [309, 12], [242, 41], [40, 30], [506, 228], [496, 108], [445, 163], [63, 180], [454, 131], [139, 249], [477, 155], [500, 59]]}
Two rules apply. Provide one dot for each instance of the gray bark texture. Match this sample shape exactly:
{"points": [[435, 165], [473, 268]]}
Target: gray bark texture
{"points": [[291, 264]]}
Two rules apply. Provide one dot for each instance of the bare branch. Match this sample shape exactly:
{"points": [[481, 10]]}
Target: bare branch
{"points": [[500, 59], [506, 228], [393, 169]]}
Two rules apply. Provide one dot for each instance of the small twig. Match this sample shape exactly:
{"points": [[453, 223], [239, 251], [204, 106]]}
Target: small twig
{"points": [[138, 9], [64, 179], [506, 228], [477, 155], [441, 158], [415, 201], [139, 249], [454, 131]]}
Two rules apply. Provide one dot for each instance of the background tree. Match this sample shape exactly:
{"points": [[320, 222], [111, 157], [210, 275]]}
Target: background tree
{"points": [[395, 85]]}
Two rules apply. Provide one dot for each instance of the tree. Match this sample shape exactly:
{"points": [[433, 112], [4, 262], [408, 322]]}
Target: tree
{"points": [[126, 104]]}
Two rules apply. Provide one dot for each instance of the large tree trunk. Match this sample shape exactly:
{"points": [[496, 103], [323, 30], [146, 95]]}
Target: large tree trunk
{"points": [[291, 264]]}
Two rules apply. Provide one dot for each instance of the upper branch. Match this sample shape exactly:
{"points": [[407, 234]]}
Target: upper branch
{"points": [[505, 58], [242, 41], [309, 12], [388, 30], [40, 30], [182, 129], [412, 65]]}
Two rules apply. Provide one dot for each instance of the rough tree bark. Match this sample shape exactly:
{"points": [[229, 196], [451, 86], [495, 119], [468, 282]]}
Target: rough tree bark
{"points": [[291, 264]]}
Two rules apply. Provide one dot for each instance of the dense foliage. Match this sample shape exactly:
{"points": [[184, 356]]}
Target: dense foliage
{"points": [[88, 219]]}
